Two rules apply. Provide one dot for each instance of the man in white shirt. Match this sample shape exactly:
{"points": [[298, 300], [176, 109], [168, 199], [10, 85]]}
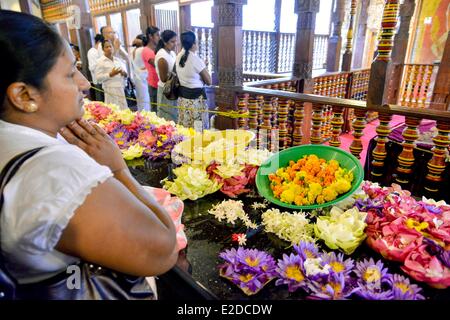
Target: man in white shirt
{"points": [[93, 55], [108, 33]]}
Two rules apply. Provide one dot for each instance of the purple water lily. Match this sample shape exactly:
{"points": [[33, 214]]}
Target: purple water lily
{"points": [[402, 289], [337, 263], [334, 288], [290, 271], [307, 250], [373, 280]]}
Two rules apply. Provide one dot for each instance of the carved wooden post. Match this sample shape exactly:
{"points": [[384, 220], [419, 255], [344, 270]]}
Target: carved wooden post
{"points": [[337, 123], [379, 71], [348, 54], [436, 166], [406, 158], [399, 50], [85, 35], [441, 93], [304, 45], [361, 30], [358, 126], [228, 24], [147, 17], [185, 17], [335, 41], [379, 153]]}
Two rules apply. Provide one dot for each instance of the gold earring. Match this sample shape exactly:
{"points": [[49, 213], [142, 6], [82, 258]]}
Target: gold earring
{"points": [[31, 107]]}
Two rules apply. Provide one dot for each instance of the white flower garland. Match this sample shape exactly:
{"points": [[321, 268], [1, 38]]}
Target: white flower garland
{"points": [[231, 210], [292, 227]]}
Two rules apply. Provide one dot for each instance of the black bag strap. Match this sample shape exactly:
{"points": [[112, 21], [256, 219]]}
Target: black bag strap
{"points": [[6, 175]]}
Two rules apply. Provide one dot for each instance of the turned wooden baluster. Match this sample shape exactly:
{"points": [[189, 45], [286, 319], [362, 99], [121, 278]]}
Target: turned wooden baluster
{"points": [[290, 123], [420, 78], [317, 119], [427, 80], [436, 165], [243, 108], [413, 97], [275, 105], [266, 125], [408, 70], [358, 126], [406, 157], [379, 153], [337, 122], [253, 114], [283, 109], [329, 127], [298, 123]]}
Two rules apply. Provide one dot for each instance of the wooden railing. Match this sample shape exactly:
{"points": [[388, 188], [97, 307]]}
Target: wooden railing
{"points": [[417, 84], [103, 6], [264, 52], [55, 10], [250, 77], [205, 45], [286, 113]]}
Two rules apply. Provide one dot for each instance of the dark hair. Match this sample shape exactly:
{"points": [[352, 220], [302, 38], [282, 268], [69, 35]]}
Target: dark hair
{"points": [[29, 48], [98, 38], [74, 46], [104, 42], [187, 42], [143, 38], [166, 36], [151, 31], [103, 28]]}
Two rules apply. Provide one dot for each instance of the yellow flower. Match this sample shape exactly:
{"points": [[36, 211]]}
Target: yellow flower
{"points": [[126, 116], [133, 152]]}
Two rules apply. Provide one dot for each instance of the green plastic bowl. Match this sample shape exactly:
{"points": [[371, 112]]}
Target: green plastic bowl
{"points": [[282, 158]]}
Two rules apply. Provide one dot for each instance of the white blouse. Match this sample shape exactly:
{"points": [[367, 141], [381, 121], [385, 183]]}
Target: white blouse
{"points": [[104, 68], [41, 199]]}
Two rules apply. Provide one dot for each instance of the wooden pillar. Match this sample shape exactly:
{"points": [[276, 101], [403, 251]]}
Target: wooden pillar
{"points": [[335, 41], [25, 6], [441, 93], [399, 51], [304, 45], [185, 18], [147, 17], [378, 85], [228, 24], [84, 34], [348, 54], [361, 31]]}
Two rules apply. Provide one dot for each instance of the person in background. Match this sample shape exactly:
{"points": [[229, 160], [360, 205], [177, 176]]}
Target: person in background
{"points": [[140, 73], [76, 53], [93, 56], [193, 76], [110, 72], [76, 198], [165, 62], [148, 56], [119, 52]]}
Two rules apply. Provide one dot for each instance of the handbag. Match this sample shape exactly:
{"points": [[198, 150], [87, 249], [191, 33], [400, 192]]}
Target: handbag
{"points": [[91, 282], [130, 94], [172, 85]]}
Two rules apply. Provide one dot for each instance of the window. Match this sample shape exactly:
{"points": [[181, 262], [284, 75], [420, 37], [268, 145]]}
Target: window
{"points": [[117, 25], [100, 22], [259, 15], [133, 24], [323, 18], [201, 14], [288, 20]]}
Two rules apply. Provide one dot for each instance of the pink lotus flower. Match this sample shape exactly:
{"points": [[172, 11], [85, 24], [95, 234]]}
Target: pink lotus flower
{"points": [[110, 127], [165, 129], [235, 186], [147, 138], [250, 173], [98, 111], [422, 266], [395, 240]]}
